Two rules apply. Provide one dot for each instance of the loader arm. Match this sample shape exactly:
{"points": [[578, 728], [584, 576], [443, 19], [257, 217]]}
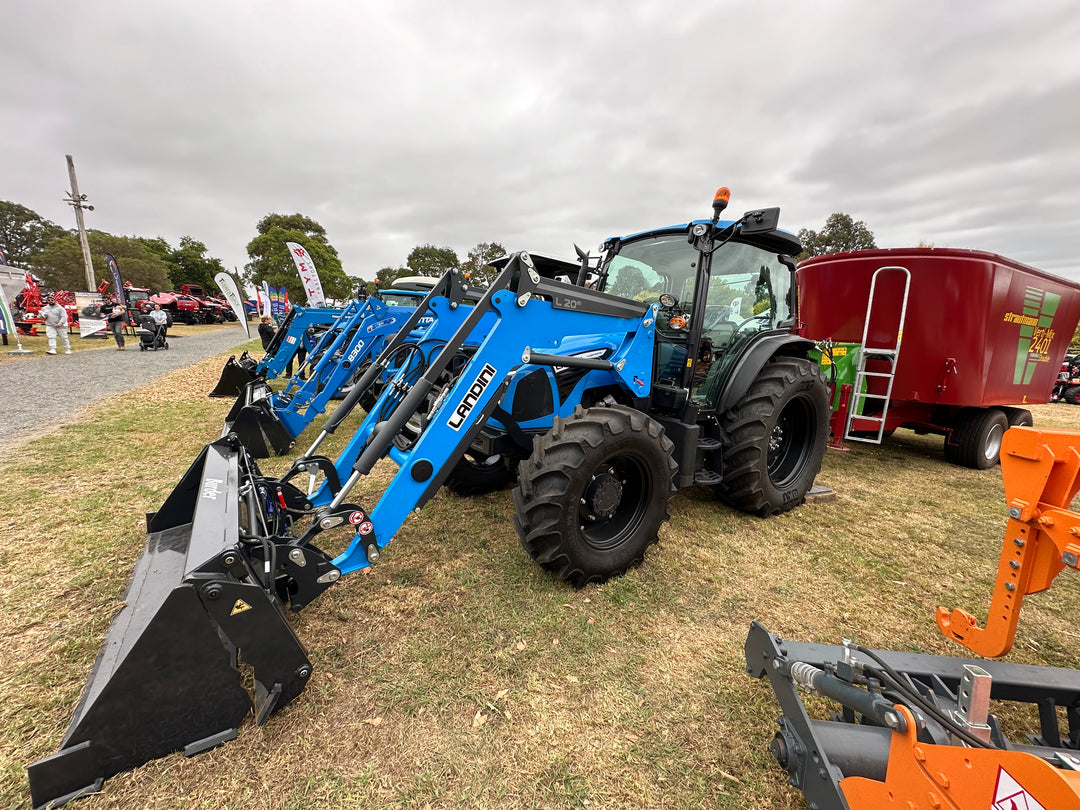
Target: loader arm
{"points": [[268, 423], [236, 374], [526, 329], [1041, 470]]}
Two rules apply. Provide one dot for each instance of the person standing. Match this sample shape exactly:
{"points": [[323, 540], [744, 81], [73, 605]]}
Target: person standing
{"points": [[117, 318], [56, 324], [266, 331]]}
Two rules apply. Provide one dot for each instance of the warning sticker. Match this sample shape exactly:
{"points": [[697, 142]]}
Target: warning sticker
{"points": [[356, 517], [1008, 795], [239, 607]]}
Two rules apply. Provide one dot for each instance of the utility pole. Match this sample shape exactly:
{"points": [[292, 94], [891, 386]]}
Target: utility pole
{"points": [[78, 202]]}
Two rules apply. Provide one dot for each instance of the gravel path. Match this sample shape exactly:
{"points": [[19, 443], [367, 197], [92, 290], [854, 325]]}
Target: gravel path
{"points": [[45, 391]]}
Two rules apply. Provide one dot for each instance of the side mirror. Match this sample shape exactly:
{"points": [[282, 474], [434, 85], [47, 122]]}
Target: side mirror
{"points": [[764, 219]]}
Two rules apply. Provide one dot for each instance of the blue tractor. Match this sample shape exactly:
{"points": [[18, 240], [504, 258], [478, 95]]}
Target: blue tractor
{"points": [[673, 362]]}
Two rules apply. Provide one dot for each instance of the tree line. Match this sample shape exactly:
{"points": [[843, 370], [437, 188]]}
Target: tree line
{"points": [[34, 243]]}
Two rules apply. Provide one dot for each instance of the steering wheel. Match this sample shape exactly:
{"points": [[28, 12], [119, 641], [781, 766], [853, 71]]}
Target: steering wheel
{"points": [[745, 322]]}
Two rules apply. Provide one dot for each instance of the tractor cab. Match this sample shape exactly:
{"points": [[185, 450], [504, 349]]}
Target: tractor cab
{"points": [[719, 286]]}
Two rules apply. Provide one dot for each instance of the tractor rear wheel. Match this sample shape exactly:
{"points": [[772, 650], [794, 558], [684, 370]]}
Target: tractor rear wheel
{"points": [[1072, 395], [594, 493], [775, 438], [976, 438]]}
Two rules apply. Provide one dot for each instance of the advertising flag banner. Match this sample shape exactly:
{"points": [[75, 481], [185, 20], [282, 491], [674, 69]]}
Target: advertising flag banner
{"points": [[264, 304], [7, 323], [279, 302], [118, 285], [232, 294], [305, 266]]}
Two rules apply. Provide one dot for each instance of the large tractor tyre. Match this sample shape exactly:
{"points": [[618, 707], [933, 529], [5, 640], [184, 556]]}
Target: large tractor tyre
{"points": [[976, 438], [1072, 395], [594, 493], [774, 438], [479, 476]]}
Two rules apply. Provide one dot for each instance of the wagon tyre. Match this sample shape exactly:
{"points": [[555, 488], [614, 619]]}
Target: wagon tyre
{"points": [[1018, 417], [773, 439], [976, 438], [478, 476], [594, 493]]}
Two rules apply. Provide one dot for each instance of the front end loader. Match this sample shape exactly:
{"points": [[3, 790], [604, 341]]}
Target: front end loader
{"points": [[230, 549], [237, 373]]}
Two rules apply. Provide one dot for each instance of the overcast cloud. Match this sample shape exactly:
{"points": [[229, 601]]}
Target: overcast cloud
{"points": [[542, 124]]}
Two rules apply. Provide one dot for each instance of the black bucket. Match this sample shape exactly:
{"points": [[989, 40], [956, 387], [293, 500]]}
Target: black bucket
{"points": [[166, 678], [255, 424], [235, 375]]}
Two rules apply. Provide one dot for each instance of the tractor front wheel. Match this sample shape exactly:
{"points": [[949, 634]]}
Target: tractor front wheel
{"points": [[774, 438], [594, 493], [479, 476]]}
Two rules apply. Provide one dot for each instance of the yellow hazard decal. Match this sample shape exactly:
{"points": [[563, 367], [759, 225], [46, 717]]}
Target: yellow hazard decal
{"points": [[240, 607]]}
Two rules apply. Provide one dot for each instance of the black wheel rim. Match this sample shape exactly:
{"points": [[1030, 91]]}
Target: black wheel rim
{"points": [[792, 434], [614, 502]]}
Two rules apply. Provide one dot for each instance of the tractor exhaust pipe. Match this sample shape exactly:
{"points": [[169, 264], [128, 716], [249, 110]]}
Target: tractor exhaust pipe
{"points": [[235, 376], [202, 594]]}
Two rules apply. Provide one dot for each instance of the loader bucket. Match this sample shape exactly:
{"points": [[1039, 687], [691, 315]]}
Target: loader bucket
{"points": [[235, 375], [166, 678], [255, 424], [260, 431]]}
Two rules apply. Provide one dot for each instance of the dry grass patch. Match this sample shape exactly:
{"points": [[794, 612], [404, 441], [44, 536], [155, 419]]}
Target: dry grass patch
{"points": [[457, 673]]}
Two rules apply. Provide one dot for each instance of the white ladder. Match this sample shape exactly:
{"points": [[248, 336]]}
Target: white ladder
{"points": [[868, 384]]}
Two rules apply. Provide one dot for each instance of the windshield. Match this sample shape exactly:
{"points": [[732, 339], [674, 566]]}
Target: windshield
{"points": [[747, 285], [400, 299], [749, 292]]}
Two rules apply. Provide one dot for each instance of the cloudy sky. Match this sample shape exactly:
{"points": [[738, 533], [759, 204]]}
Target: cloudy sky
{"points": [[542, 124]]}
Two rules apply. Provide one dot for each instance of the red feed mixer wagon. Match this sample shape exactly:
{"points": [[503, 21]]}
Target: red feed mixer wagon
{"points": [[936, 340]]}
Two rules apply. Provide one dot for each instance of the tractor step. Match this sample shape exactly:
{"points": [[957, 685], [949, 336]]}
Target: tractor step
{"points": [[707, 477]]}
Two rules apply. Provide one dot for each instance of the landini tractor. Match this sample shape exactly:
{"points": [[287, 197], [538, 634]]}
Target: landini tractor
{"points": [[685, 371]]}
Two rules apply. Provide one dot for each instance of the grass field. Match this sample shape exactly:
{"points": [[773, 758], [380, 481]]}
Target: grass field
{"points": [[457, 673]]}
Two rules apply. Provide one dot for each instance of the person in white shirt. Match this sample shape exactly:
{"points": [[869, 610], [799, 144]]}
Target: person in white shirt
{"points": [[56, 324]]}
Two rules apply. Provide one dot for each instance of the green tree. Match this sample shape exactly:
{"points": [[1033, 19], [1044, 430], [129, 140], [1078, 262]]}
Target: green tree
{"points": [[386, 277], [428, 260], [60, 264], [24, 233], [270, 260], [476, 268], [190, 265], [840, 234]]}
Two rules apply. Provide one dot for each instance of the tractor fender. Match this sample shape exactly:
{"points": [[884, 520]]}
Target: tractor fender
{"points": [[748, 367]]}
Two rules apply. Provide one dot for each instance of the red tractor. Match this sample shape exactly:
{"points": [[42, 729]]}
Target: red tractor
{"points": [[178, 306]]}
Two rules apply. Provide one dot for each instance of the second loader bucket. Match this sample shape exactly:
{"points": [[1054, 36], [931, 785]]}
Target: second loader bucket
{"points": [[166, 678], [255, 424], [235, 375]]}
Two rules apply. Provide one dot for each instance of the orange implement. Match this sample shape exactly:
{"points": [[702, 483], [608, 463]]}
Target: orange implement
{"points": [[1041, 469], [922, 775]]}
